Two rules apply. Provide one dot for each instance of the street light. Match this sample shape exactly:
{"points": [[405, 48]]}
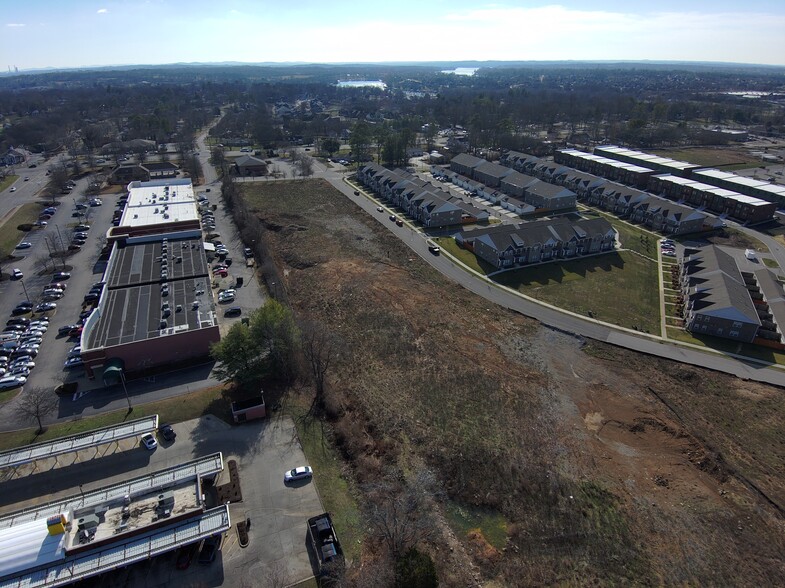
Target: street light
{"points": [[128, 398], [25, 289]]}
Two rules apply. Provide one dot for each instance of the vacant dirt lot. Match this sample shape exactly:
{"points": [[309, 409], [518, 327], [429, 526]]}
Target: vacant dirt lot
{"points": [[609, 467]]}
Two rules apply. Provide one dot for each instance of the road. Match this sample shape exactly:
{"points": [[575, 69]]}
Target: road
{"points": [[94, 399], [557, 318]]}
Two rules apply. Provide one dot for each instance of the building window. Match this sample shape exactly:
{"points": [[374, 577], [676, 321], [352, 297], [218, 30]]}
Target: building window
{"points": [[733, 334], [736, 324]]}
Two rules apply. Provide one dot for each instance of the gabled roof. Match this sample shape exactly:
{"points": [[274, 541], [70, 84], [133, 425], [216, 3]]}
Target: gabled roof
{"points": [[467, 160], [493, 169], [246, 160], [722, 292]]}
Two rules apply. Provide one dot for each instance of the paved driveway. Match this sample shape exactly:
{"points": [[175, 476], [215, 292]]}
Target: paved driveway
{"points": [[278, 513]]}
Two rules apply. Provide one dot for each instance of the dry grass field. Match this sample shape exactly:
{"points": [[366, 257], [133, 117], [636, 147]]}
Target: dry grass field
{"points": [[601, 466]]}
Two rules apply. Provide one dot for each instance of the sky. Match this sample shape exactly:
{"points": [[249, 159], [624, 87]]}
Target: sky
{"points": [[82, 33]]}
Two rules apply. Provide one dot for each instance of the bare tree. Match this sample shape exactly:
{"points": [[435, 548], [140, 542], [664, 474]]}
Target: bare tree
{"points": [[36, 404], [218, 159], [42, 263], [318, 347], [400, 512]]}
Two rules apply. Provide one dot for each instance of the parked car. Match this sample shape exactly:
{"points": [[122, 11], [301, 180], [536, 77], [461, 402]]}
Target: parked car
{"points": [[82, 228], [19, 321], [399, 222], [379, 209], [392, 217], [66, 329], [17, 274], [45, 306], [24, 245], [233, 311], [224, 297], [74, 247], [434, 248], [73, 362], [40, 223], [298, 473], [186, 554], [247, 252], [167, 432], [149, 442], [11, 382], [209, 549], [61, 276]]}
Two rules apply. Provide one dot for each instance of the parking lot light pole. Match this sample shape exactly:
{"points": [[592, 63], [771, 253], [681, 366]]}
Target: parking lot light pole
{"points": [[128, 398], [25, 289]]}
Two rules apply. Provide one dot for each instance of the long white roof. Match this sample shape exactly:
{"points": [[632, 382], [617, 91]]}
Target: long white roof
{"points": [[204, 466], [29, 546], [125, 552], [72, 443]]}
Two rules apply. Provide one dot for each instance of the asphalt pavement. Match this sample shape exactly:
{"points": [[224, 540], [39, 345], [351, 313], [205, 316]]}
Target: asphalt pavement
{"points": [[558, 318]]}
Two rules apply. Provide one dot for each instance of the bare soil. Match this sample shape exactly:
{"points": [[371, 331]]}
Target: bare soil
{"points": [[611, 467]]}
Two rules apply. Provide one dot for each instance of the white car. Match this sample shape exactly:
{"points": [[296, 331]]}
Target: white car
{"points": [[298, 473], [13, 189], [149, 441], [224, 297], [24, 245], [11, 382], [45, 306]]}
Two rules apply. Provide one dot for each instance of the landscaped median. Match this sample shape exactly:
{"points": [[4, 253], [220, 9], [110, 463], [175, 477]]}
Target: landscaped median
{"points": [[9, 235], [7, 181], [212, 400]]}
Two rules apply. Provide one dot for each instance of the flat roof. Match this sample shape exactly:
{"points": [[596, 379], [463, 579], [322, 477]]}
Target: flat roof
{"points": [[30, 453], [29, 546], [122, 553], [127, 315], [203, 466], [142, 263], [646, 157], [159, 202]]}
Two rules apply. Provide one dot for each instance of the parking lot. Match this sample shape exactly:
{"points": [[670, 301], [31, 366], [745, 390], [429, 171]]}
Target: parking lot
{"points": [[264, 450], [85, 270]]}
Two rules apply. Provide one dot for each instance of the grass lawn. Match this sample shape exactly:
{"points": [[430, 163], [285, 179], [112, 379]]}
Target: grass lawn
{"points": [[772, 263], [173, 410], [9, 236], [468, 258], [631, 236], [736, 238], [727, 346], [7, 181], [597, 284], [333, 488]]}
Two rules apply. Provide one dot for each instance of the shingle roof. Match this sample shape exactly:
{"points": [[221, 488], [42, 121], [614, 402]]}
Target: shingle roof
{"points": [[717, 287]]}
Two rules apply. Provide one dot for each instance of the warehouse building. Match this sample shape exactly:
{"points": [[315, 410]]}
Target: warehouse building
{"points": [[156, 307], [95, 532]]}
